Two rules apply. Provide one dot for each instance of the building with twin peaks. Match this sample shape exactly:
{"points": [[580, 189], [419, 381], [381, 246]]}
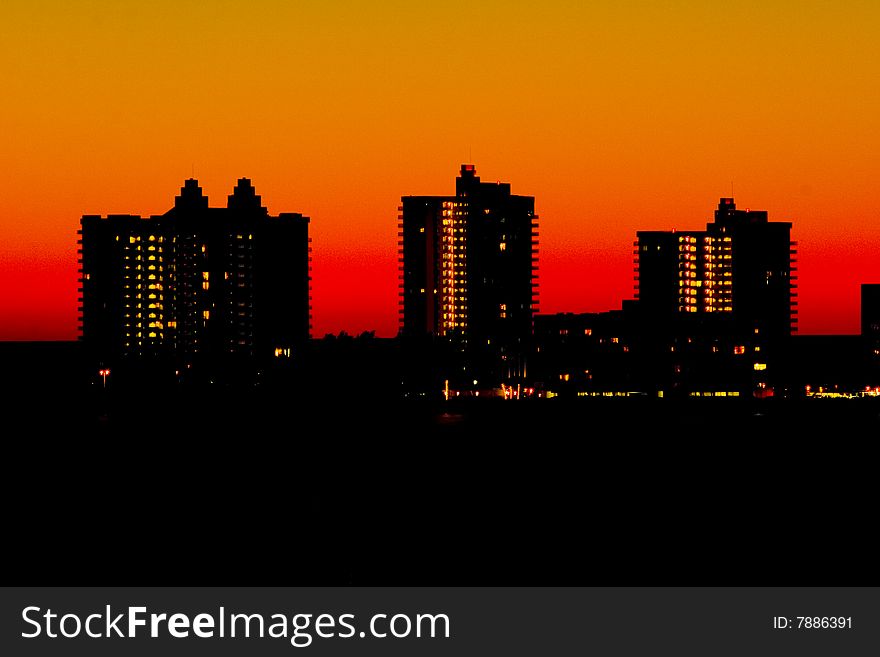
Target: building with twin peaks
{"points": [[197, 283]]}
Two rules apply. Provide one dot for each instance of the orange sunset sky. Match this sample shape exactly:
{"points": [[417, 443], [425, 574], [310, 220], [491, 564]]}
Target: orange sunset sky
{"points": [[616, 116]]}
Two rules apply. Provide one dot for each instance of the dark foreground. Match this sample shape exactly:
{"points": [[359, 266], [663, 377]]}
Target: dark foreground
{"points": [[254, 487]]}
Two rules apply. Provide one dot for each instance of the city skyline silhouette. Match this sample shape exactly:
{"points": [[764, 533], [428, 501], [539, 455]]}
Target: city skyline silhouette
{"points": [[205, 294], [544, 254], [615, 117], [312, 355]]}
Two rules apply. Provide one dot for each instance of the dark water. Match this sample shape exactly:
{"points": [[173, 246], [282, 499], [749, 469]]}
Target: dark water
{"points": [[271, 488]]}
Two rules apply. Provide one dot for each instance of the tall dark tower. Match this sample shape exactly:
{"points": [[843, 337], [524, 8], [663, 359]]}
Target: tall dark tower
{"points": [[870, 311], [737, 276], [196, 284], [762, 268], [469, 266]]}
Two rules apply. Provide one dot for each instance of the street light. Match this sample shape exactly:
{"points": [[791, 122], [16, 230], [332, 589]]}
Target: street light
{"points": [[104, 373]]}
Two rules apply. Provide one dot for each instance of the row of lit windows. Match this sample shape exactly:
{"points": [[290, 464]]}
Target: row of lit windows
{"points": [[135, 239], [140, 256], [721, 393], [684, 239], [140, 334], [724, 282], [139, 267], [454, 303]]}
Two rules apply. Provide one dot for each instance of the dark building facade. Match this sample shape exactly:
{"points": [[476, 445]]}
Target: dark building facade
{"points": [[713, 316], [870, 311], [468, 268], [736, 277], [620, 352], [196, 284]]}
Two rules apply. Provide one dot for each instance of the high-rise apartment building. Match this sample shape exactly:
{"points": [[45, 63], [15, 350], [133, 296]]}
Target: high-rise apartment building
{"points": [[738, 275], [468, 264], [196, 283], [870, 311]]}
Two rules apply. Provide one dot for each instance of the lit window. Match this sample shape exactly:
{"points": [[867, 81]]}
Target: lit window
{"points": [[760, 366], [739, 350], [206, 314], [502, 246]]}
